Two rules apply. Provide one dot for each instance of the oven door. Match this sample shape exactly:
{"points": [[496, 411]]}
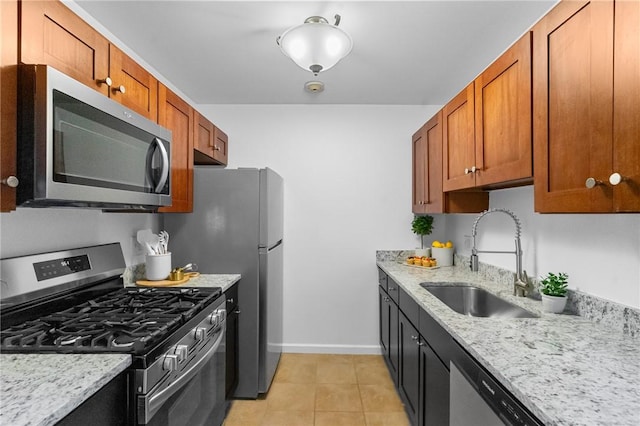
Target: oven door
{"points": [[196, 396]]}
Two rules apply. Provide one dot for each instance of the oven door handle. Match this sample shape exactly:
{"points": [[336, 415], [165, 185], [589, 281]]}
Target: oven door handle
{"points": [[154, 403]]}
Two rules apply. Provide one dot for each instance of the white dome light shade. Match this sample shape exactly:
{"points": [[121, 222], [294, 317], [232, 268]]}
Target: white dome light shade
{"points": [[315, 45]]}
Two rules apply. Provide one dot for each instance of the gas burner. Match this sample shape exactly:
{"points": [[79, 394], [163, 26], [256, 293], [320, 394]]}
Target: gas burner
{"points": [[182, 304]]}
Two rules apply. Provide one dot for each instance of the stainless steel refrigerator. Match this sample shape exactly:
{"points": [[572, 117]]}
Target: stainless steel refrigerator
{"points": [[236, 227]]}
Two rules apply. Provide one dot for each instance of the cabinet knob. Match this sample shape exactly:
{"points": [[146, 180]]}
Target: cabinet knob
{"points": [[392, 289], [592, 182], [216, 148], [414, 337], [473, 169], [11, 181], [237, 311], [466, 171], [106, 81], [420, 343], [230, 300], [120, 89], [616, 178]]}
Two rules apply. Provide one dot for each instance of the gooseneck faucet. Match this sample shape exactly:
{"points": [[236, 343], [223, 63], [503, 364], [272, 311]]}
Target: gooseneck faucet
{"points": [[521, 285]]}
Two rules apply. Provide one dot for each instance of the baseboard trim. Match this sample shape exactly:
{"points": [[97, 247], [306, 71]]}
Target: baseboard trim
{"points": [[331, 349]]}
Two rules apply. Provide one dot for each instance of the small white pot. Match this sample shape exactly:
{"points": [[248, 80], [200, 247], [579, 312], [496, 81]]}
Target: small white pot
{"points": [[553, 304], [422, 252]]}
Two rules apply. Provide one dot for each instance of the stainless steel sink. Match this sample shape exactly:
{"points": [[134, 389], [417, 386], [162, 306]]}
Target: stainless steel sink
{"points": [[475, 302]]}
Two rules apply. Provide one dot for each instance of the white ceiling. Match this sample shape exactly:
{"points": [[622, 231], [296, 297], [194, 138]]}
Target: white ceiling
{"points": [[404, 53]]}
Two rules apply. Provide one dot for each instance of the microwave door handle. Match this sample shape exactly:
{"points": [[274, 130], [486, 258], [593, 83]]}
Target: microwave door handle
{"points": [[164, 173]]}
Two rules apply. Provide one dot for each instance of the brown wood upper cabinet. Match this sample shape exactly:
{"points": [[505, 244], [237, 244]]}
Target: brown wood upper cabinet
{"points": [[487, 127], [178, 116], [8, 102], [132, 85], [428, 196], [211, 143], [52, 34], [586, 85]]}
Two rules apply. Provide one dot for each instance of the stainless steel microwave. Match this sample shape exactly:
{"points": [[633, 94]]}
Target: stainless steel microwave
{"points": [[78, 148]]}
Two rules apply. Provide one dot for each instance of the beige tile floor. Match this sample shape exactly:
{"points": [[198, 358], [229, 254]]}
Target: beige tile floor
{"points": [[324, 390]]}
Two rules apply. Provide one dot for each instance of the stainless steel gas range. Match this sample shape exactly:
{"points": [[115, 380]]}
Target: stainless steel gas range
{"points": [[74, 301]]}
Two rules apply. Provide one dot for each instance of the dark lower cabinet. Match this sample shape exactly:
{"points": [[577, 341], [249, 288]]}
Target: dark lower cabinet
{"points": [[389, 332], [417, 352], [409, 371], [434, 389], [107, 407], [231, 341]]}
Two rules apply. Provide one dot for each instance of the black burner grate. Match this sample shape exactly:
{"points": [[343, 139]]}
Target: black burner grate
{"points": [[129, 320]]}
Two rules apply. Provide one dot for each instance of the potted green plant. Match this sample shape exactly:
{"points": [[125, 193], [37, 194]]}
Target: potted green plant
{"points": [[422, 225], [553, 289]]}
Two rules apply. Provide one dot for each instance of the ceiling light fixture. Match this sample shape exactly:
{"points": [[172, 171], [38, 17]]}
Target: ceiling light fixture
{"points": [[315, 45], [314, 86]]}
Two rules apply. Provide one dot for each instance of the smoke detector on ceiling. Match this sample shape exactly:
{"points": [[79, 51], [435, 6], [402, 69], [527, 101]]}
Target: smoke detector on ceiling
{"points": [[314, 86]]}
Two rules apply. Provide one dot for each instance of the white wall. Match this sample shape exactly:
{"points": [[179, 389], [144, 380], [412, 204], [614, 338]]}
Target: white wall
{"points": [[31, 230], [600, 252], [347, 174]]}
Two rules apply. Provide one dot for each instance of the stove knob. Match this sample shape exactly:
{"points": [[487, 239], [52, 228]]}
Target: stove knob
{"points": [[200, 333], [170, 362], [181, 352], [214, 319]]}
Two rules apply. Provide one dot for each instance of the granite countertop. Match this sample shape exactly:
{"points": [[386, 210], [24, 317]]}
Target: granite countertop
{"points": [[565, 369], [41, 389], [224, 281]]}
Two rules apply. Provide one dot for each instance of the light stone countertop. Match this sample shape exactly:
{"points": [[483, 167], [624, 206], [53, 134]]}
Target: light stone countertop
{"points": [[224, 281], [41, 389], [565, 369]]}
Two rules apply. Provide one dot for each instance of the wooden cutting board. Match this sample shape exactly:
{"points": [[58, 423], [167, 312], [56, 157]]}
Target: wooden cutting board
{"points": [[168, 283]]}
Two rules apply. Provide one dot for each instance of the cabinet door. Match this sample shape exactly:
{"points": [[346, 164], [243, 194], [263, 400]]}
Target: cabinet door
{"points": [[51, 34], [177, 115], [204, 134], [420, 160], [409, 371], [432, 135], [434, 389], [626, 118], [8, 100], [220, 146], [458, 138], [573, 106], [231, 341], [133, 86], [383, 303], [394, 350], [503, 117]]}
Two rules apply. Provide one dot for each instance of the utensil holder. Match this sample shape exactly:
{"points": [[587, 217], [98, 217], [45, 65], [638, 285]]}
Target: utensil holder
{"points": [[158, 266]]}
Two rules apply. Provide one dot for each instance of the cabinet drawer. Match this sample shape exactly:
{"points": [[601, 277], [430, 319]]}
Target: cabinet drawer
{"points": [[409, 307], [437, 337], [382, 279], [393, 289]]}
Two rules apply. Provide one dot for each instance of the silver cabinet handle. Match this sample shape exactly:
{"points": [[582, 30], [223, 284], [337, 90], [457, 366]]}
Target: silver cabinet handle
{"points": [[592, 183], [414, 337], [106, 80], [230, 300], [392, 289], [11, 181], [616, 178], [420, 343], [120, 89]]}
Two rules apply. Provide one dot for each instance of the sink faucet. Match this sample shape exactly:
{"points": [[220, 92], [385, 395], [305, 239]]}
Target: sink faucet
{"points": [[521, 285]]}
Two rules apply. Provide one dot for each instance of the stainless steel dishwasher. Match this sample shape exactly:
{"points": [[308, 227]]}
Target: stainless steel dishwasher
{"points": [[478, 399]]}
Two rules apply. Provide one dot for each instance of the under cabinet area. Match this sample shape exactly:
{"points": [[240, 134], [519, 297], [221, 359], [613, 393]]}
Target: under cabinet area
{"points": [[586, 101]]}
